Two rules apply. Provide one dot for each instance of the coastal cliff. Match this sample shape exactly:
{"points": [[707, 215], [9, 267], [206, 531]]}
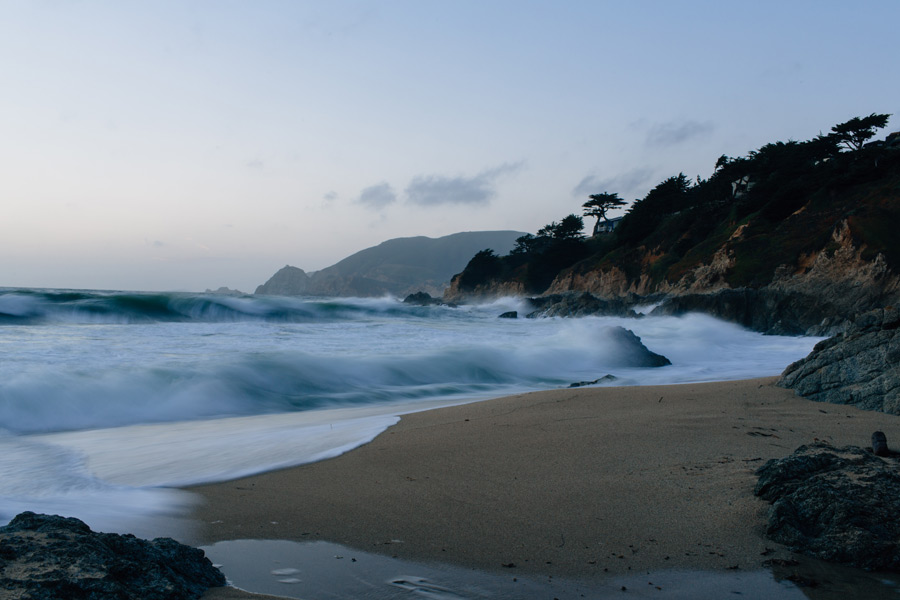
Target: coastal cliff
{"points": [[796, 237]]}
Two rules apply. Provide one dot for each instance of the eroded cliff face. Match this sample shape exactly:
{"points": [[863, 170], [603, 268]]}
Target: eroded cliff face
{"points": [[842, 274], [839, 275], [482, 293]]}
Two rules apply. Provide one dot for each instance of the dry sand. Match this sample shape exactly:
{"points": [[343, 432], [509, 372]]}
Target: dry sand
{"points": [[579, 482]]}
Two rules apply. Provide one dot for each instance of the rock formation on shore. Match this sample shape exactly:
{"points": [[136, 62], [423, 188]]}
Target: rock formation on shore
{"points": [[835, 504], [631, 352], [574, 304], [860, 366], [44, 557]]}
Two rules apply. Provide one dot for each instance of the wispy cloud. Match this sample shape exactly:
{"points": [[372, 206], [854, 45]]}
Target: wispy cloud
{"points": [[436, 190], [628, 184], [377, 196], [678, 132], [328, 199], [255, 164]]}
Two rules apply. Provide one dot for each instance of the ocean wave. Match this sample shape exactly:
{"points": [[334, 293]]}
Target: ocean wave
{"points": [[34, 307], [56, 396]]}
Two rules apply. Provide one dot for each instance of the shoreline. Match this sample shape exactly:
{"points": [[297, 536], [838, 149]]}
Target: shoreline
{"points": [[581, 483]]}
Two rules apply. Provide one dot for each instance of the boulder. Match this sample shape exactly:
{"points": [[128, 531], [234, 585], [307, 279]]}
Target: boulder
{"points": [[631, 352], [425, 299], [421, 299], [48, 557], [510, 314], [835, 504], [860, 366]]}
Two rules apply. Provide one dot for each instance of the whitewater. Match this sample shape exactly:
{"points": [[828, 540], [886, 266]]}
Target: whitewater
{"points": [[109, 401]]}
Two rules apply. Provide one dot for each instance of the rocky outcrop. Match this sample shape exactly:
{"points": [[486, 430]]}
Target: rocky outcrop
{"points": [[582, 304], [765, 310], [860, 366], [631, 352], [835, 504], [44, 557], [608, 283], [842, 276], [816, 294], [613, 282], [425, 299], [287, 281]]}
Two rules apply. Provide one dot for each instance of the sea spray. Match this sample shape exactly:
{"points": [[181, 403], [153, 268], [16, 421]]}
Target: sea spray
{"points": [[126, 392]]}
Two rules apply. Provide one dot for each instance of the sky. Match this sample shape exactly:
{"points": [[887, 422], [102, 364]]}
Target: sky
{"points": [[160, 145]]}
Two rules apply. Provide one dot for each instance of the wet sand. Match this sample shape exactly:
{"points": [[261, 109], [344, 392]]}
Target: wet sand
{"points": [[581, 483]]}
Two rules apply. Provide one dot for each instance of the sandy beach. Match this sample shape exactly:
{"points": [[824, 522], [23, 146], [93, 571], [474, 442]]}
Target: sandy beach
{"points": [[582, 483]]}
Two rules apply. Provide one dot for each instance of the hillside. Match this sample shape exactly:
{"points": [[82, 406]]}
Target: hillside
{"points": [[397, 267], [806, 224]]}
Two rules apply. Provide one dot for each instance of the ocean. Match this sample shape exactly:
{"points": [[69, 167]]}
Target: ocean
{"points": [[109, 401]]}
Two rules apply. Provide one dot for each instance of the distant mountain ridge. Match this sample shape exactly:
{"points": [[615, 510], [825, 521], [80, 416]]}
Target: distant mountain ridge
{"points": [[398, 267]]}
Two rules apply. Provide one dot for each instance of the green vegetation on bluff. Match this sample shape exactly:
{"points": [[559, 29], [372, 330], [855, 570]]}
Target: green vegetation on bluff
{"points": [[777, 206]]}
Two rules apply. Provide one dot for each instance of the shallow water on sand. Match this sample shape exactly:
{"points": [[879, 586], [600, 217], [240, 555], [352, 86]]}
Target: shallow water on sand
{"points": [[327, 571]]}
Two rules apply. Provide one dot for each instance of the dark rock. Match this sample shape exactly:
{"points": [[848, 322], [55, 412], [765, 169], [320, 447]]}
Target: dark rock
{"points": [[835, 504], [57, 558], [511, 314], [860, 366], [575, 304], [879, 444], [422, 299], [631, 352], [765, 310], [603, 379]]}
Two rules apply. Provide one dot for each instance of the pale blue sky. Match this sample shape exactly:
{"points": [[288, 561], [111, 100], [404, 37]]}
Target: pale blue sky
{"points": [[183, 145]]}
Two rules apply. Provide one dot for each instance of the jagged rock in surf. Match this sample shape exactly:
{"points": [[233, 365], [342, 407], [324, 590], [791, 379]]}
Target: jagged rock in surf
{"points": [[580, 304], [422, 299], [630, 352], [764, 310], [860, 366], [48, 557], [510, 314], [835, 504]]}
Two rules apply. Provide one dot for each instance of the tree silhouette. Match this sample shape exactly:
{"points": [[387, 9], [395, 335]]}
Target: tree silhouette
{"points": [[857, 131], [599, 204], [569, 228]]}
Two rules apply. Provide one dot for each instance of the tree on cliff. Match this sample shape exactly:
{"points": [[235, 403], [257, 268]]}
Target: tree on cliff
{"points": [[854, 133], [599, 204], [482, 268], [569, 228]]}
